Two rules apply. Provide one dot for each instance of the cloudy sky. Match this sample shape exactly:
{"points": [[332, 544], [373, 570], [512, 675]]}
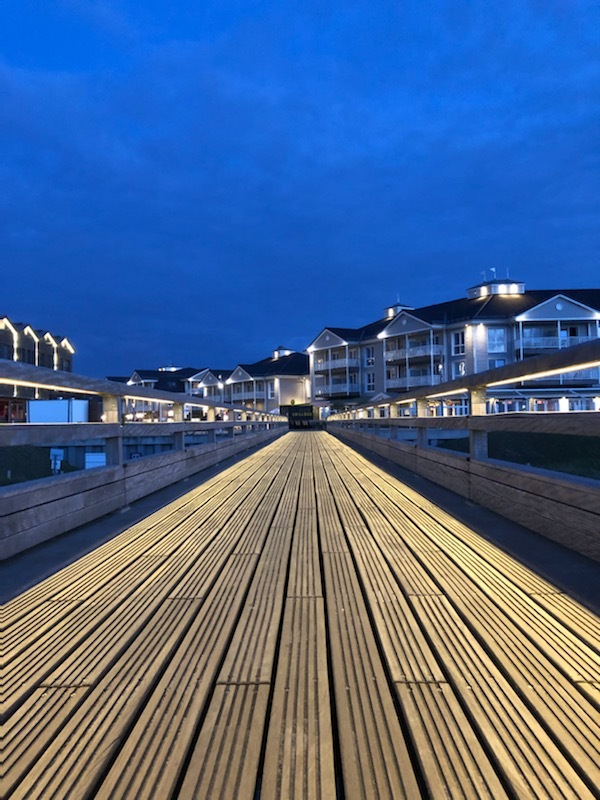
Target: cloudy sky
{"points": [[198, 182]]}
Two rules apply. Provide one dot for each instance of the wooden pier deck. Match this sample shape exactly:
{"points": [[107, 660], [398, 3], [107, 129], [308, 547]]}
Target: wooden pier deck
{"points": [[302, 625]]}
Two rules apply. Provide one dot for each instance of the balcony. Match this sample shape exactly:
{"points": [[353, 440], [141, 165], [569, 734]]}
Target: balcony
{"points": [[412, 381], [418, 351], [336, 363], [330, 389], [550, 342], [245, 396]]}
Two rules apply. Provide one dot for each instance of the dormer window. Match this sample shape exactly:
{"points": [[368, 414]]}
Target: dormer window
{"points": [[504, 287]]}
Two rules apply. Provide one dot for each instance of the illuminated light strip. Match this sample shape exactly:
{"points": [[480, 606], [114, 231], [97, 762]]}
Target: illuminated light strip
{"points": [[96, 393], [446, 394], [153, 400], [51, 340], [50, 386], [15, 334], [28, 330], [546, 374]]}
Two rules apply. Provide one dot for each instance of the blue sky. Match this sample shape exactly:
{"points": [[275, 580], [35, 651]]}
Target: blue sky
{"points": [[197, 183]]}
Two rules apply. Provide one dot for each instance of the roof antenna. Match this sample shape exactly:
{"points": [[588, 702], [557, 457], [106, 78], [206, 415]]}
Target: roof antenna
{"points": [[484, 273], [507, 272], [493, 271]]}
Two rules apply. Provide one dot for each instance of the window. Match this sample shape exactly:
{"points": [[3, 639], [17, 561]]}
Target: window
{"points": [[271, 389], [370, 382], [458, 369], [496, 340], [458, 343], [493, 363], [369, 356]]}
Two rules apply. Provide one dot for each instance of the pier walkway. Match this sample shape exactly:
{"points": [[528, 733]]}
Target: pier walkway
{"points": [[302, 625]]}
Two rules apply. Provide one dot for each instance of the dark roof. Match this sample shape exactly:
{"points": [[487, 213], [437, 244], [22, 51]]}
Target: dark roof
{"points": [[494, 306], [147, 374], [118, 378], [220, 373], [167, 380], [369, 331], [294, 364], [500, 305]]}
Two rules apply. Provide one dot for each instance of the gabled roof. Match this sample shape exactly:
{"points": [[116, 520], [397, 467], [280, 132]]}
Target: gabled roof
{"points": [[221, 374], [147, 374], [495, 306], [294, 364], [500, 306], [166, 380], [357, 335]]}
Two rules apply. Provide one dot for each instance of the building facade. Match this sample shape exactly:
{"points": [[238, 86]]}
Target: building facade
{"points": [[19, 341], [497, 323], [267, 385]]}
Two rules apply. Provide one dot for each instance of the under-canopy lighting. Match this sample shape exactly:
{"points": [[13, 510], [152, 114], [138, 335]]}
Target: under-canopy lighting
{"points": [[40, 385], [547, 373], [446, 394]]}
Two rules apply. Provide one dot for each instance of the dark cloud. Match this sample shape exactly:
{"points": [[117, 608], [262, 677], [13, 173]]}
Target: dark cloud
{"points": [[197, 183]]}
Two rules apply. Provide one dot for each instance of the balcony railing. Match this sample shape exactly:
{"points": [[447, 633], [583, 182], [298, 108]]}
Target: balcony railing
{"points": [[414, 380], [336, 363], [328, 389], [418, 351], [242, 396], [550, 342]]}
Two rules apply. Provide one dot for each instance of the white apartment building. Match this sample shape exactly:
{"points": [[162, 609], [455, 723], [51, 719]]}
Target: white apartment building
{"points": [[274, 382], [497, 323], [267, 385]]}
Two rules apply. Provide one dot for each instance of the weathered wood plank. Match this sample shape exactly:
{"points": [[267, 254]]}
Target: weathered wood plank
{"points": [[375, 756], [299, 757]]}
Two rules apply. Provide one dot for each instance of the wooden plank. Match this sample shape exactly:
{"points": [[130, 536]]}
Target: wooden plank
{"points": [[305, 571], [299, 757], [28, 733], [453, 761], [114, 579], [123, 656], [500, 577], [569, 612], [181, 653], [153, 527], [517, 657], [448, 748], [168, 720], [374, 755], [526, 754], [223, 764]]}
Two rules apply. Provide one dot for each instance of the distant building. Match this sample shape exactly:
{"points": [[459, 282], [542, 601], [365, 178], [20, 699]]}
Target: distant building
{"points": [[20, 341], [497, 323], [281, 380], [266, 385], [210, 384]]}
